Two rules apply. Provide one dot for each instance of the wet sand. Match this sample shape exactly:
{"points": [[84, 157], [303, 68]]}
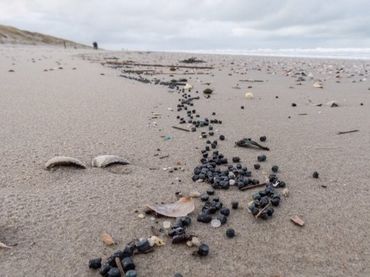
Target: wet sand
{"points": [[54, 219]]}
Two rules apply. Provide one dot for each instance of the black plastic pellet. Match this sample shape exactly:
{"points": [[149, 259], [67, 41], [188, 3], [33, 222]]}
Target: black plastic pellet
{"points": [[230, 233], [225, 211], [128, 264], [236, 159], [131, 273], [204, 197], [104, 269], [203, 250], [95, 263], [113, 272], [261, 158], [234, 205], [275, 168], [143, 245], [257, 166], [222, 137], [315, 175], [205, 218], [263, 138]]}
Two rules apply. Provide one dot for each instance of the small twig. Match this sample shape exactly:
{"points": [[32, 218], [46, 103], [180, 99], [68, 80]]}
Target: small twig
{"points": [[347, 132], [163, 157], [119, 265], [253, 186], [182, 129], [264, 209]]}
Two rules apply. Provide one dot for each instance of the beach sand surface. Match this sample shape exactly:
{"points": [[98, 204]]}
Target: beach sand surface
{"points": [[65, 102]]}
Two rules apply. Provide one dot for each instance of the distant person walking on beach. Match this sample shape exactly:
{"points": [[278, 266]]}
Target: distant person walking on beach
{"points": [[95, 45]]}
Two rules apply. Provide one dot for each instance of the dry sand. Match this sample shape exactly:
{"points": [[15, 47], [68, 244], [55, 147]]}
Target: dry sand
{"points": [[54, 219]]}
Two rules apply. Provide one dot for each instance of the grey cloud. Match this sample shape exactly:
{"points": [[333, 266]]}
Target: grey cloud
{"points": [[196, 24]]}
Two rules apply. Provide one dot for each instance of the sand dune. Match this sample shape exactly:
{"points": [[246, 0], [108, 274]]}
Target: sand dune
{"points": [[12, 35]]}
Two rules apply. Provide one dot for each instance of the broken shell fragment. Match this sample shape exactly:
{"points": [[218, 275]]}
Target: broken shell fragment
{"points": [[182, 207], [107, 160], [249, 95], [318, 84], [297, 220], [156, 241], [188, 86], [3, 245], [166, 224], [64, 161]]}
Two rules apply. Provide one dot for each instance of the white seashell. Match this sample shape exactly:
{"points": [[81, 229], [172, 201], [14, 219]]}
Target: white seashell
{"points": [[215, 223], [156, 241], [332, 104], [318, 84], [188, 86], [107, 160], [166, 224], [249, 95], [64, 161]]}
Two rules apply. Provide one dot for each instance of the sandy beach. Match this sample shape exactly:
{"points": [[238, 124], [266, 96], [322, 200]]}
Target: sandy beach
{"points": [[74, 102]]}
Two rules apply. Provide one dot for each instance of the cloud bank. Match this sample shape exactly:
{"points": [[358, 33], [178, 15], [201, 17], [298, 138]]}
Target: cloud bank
{"points": [[196, 24]]}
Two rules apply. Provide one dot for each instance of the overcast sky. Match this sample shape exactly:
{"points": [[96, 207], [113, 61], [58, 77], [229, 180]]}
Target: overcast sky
{"points": [[196, 24]]}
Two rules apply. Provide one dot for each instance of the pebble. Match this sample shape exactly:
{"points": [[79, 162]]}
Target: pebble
{"points": [[275, 168], [178, 275], [230, 233], [222, 137], [257, 166], [263, 138]]}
